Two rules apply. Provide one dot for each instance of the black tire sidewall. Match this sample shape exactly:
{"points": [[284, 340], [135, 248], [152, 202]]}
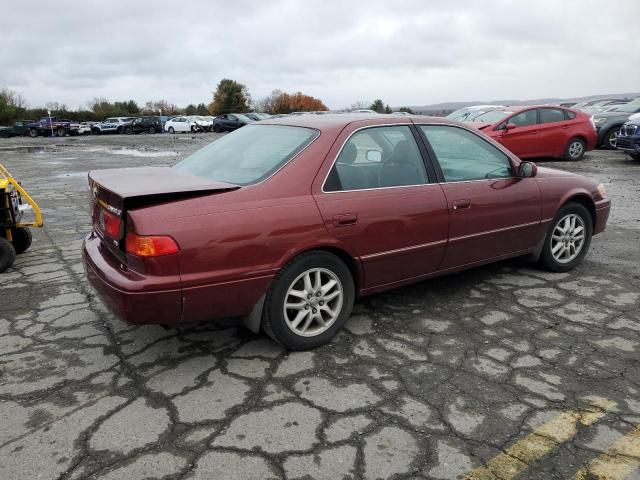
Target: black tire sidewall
{"points": [[21, 239], [274, 321], [607, 137], [567, 156], [547, 257], [7, 254], [172, 130]]}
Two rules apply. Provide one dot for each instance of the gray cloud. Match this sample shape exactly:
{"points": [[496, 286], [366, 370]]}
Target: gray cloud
{"points": [[406, 52]]}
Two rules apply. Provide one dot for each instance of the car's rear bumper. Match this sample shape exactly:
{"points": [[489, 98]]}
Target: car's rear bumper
{"points": [[124, 293], [603, 207]]}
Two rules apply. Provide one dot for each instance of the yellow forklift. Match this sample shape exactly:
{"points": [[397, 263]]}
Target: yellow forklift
{"points": [[15, 236]]}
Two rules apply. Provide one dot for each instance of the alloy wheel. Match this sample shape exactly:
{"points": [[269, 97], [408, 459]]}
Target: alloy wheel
{"points": [[613, 138], [567, 239], [313, 302], [576, 149]]}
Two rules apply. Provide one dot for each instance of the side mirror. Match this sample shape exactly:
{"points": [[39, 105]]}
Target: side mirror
{"points": [[509, 126], [527, 170], [374, 156]]}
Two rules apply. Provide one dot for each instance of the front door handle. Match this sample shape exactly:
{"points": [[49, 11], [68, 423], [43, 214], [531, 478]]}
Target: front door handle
{"points": [[345, 219], [460, 204]]}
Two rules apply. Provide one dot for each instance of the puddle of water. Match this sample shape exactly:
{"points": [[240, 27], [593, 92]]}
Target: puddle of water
{"points": [[141, 153], [31, 149]]}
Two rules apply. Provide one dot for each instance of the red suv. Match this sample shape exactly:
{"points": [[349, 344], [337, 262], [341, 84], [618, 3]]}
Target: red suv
{"points": [[540, 131]]}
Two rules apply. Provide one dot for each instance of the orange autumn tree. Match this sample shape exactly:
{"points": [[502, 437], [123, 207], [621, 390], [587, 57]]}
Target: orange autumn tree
{"points": [[281, 102]]}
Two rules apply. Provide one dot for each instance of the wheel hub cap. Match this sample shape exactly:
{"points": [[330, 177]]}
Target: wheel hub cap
{"points": [[313, 302], [567, 238]]}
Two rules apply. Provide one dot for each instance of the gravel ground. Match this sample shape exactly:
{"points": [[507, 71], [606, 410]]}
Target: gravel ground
{"points": [[500, 372]]}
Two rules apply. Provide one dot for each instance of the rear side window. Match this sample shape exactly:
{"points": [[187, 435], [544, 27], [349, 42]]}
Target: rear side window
{"points": [[464, 156], [551, 115], [377, 157]]}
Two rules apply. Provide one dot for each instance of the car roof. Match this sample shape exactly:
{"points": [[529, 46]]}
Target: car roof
{"points": [[333, 121]]}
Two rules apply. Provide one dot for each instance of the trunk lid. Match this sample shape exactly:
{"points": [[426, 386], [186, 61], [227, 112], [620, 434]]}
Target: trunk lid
{"points": [[114, 191]]}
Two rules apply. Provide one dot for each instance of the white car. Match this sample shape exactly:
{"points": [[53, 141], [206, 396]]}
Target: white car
{"points": [[205, 122], [179, 125], [85, 128]]}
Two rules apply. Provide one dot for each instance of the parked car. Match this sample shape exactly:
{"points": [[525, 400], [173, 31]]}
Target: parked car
{"points": [[230, 121], [18, 129], [179, 125], [290, 220], [603, 105], [85, 128], [53, 126], [629, 137], [608, 123], [202, 122], [257, 116], [149, 124], [112, 125], [540, 131]]}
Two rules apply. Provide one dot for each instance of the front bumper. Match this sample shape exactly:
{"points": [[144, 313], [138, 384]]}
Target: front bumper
{"points": [[126, 293], [603, 207], [629, 143]]}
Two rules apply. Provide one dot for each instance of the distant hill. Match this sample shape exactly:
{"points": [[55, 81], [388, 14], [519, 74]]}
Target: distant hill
{"points": [[451, 106]]}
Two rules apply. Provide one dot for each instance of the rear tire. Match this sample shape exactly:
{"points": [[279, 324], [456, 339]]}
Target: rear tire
{"points": [[172, 130], [61, 132], [575, 149], [635, 156], [217, 128], [33, 133], [568, 239], [320, 290], [22, 239], [7, 254], [611, 138], [152, 130]]}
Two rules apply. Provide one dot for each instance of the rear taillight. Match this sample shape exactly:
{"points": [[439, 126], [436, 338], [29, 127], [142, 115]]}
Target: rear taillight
{"points": [[150, 246], [111, 225]]}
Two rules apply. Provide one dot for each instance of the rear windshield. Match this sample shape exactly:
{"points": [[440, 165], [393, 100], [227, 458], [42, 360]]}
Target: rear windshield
{"points": [[248, 155]]}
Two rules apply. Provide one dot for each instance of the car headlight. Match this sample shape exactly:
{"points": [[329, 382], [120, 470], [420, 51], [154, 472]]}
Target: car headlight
{"points": [[601, 192]]}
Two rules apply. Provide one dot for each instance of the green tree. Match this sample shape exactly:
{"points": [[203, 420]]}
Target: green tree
{"points": [[377, 106], [230, 96], [201, 109], [387, 109], [190, 109], [406, 109]]}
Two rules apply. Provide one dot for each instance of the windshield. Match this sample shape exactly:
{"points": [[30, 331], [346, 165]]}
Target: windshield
{"points": [[248, 155], [492, 116], [630, 107]]}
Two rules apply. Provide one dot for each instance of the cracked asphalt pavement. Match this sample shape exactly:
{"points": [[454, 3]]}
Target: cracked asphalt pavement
{"points": [[500, 372]]}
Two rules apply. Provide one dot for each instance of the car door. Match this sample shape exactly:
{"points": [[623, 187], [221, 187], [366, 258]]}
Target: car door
{"points": [[492, 212], [554, 131], [519, 133], [378, 201], [232, 122]]}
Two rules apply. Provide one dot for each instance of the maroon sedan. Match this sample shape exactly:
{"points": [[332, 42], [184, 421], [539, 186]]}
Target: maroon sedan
{"points": [[285, 222], [540, 131]]}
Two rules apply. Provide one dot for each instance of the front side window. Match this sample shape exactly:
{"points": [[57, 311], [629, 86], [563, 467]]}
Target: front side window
{"points": [[248, 155], [524, 119], [465, 156], [551, 115], [377, 157]]}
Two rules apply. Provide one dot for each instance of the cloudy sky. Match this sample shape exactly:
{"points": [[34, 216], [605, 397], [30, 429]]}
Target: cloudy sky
{"points": [[405, 52]]}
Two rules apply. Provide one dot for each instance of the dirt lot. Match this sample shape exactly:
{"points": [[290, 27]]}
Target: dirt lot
{"points": [[500, 372]]}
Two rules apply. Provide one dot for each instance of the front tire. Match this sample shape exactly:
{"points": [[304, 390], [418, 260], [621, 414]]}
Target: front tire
{"points": [[21, 239], [33, 133], [635, 156], [172, 130], [575, 149], [152, 130], [611, 138], [61, 132], [309, 301], [568, 239], [7, 254], [217, 128]]}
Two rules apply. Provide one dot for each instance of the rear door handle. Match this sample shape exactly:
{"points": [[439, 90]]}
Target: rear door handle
{"points": [[345, 219], [460, 204]]}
